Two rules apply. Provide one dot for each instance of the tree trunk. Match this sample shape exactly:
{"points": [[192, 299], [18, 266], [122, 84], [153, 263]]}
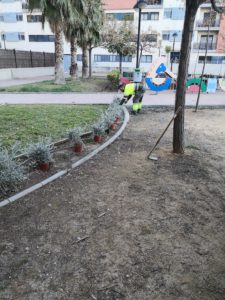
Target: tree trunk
{"points": [[59, 55], [90, 62], [120, 65], [84, 61], [73, 50], [178, 129]]}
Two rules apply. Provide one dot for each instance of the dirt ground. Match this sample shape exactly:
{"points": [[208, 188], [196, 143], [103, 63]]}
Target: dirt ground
{"points": [[122, 227]]}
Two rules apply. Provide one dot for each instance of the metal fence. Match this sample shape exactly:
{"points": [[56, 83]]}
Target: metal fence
{"points": [[25, 59]]}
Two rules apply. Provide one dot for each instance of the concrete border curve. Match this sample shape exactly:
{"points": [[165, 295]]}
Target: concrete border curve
{"points": [[73, 166]]}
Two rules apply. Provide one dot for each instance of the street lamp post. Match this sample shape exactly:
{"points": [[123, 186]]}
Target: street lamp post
{"points": [[138, 6], [174, 38]]}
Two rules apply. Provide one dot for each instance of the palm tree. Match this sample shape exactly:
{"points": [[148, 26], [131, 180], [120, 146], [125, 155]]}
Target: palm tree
{"points": [[55, 12], [71, 31], [89, 33]]}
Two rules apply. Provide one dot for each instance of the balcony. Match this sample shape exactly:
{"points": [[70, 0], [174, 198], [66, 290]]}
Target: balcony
{"points": [[154, 3], [202, 25], [202, 46]]}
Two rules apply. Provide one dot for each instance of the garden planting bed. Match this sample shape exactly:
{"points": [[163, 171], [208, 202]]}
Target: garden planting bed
{"points": [[123, 227], [64, 157]]}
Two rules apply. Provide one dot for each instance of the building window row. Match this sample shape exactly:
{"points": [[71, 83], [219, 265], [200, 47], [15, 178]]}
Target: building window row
{"points": [[212, 59], [116, 58], [13, 36], [150, 16], [34, 18], [11, 17], [120, 16], [41, 38]]}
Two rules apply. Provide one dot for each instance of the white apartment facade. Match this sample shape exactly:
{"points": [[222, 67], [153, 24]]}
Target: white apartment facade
{"points": [[164, 19]]}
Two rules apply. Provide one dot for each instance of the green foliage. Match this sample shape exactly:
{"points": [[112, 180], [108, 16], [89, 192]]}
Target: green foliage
{"points": [[40, 152], [74, 135], [168, 49], [114, 78], [11, 172], [119, 38]]}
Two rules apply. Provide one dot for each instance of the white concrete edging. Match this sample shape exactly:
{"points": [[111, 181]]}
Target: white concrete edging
{"points": [[73, 166]]}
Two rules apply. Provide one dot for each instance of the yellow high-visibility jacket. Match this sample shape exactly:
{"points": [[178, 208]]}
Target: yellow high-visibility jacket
{"points": [[129, 89]]}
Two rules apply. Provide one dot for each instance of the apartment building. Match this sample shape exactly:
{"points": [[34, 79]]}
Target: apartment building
{"points": [[162, 19]]}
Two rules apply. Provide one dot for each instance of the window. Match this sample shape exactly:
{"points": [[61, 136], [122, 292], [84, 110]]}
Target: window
{"points": [[212, 59], [1, 18], [120, 16], [167, 13], [111, 58], [34, 18], [174, 56], [169, 36], [21, 36], [154, 2], [153, 16], [152, 38], [146, 59], [175, 13], [166, 36], [79, 57], [41, 38], [19, 17]]}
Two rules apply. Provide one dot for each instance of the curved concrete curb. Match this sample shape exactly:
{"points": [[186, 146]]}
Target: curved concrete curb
{"points": [[76, 164]]}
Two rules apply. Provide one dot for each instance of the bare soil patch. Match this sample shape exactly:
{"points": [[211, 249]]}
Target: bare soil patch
{"points": [[122, 227]]}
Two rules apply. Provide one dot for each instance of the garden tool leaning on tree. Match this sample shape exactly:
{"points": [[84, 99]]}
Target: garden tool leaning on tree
{"points": [[137, 90]]}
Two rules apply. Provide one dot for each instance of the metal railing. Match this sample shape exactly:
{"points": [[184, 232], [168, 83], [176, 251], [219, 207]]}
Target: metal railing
{"points": [[202, 46], [25, 59], [203, 23]]}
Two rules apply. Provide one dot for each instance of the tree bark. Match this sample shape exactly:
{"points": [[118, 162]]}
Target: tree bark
{"points": [[90, 62], [120, 63], [178, 129], [59, 55], [73, 50], [84, 61]]}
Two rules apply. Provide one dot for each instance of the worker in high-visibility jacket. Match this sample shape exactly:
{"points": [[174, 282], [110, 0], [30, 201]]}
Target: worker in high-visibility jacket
{"points": [[137, 90]]}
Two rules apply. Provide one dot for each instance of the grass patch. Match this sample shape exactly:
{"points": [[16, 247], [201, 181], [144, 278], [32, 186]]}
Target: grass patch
{"points": [[80, 85], [26, 123]]}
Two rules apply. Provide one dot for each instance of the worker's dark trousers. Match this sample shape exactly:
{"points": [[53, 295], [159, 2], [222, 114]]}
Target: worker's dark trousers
{"points": [[137, 102]]}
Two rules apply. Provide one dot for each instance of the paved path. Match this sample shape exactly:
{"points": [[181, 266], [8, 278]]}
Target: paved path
{"points": [[12, 82], [161, 99]]}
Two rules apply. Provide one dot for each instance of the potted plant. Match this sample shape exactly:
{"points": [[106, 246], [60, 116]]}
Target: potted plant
{"points": [[98, 130], [41, 153], [74, 136]]}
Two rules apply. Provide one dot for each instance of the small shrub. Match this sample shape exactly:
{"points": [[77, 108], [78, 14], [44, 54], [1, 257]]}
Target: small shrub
{"points": [[74, 135], [41, 152], [99, 128], [11, 172], [114, 78]]}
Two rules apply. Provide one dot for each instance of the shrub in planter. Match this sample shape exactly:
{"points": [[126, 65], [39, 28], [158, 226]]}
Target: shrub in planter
{"points": [[11, 172], [74, 136], [114, 78], [41, 153], [98, 130]]}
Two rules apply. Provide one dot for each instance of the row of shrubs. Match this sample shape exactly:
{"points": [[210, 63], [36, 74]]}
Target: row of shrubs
{"points": [[13, 170]]}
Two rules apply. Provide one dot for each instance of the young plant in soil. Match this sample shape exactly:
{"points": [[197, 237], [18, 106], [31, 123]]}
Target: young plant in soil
{"points": [[74, 136], [11, 172], [41, 153], [99, 131]]}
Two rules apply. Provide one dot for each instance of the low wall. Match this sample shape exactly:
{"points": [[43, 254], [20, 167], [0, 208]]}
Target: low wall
{"points": [[21, 73]]}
